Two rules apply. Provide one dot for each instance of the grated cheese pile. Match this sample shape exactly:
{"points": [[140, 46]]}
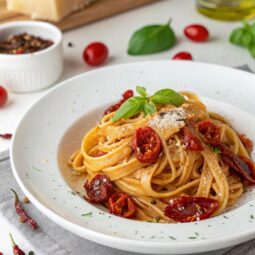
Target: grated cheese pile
{"points": [[172, 119]]}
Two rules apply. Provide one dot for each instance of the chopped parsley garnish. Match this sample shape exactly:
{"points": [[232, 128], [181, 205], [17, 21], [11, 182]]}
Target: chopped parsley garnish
{"points": [[89, 214]]}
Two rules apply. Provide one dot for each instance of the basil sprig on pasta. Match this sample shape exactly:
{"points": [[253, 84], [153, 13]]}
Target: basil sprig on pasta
{"points": [[146, 103]]}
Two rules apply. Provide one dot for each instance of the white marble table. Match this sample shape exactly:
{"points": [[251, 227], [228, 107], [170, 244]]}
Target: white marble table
{"points": [[115, 32]]}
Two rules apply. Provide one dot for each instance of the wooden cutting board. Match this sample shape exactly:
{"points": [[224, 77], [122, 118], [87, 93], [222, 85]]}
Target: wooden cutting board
{"points": [[97, 10]]}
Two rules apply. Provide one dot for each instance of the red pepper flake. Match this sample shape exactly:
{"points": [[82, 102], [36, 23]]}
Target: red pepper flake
{"points": [[24, 218], [16, 249], [6, 136], [23, 43], [1, 253]]}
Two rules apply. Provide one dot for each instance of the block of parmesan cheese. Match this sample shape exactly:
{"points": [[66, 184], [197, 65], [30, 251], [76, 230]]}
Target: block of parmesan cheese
{"points": [[53, 10]]}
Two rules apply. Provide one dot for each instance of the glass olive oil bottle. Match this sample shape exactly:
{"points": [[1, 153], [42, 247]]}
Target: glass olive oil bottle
{"points": [[227, 9]]}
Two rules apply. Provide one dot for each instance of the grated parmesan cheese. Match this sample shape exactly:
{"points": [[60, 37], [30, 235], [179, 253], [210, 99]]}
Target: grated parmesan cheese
{"points": [[172, 119]]}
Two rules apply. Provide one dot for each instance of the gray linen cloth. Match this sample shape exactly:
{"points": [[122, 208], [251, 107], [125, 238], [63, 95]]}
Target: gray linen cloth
{"points": [[52, 239]]}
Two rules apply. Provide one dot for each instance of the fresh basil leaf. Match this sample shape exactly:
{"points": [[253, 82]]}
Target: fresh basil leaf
{"points": [[236, 36], [149, 108], [131, 107], [252, 29], [151, 39], [167, 96], [247, 39], [141, 91], [252, 50]]}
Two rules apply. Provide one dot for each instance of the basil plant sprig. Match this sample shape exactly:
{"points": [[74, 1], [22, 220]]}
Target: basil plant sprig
{"points": [[146, 103], [245, 37], [152, 39]]}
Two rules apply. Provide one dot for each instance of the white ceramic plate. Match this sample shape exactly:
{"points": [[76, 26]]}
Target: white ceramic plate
{"points": [[35, 150]]}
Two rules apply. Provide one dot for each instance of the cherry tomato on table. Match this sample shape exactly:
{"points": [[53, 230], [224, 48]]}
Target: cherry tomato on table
{"points": [[122, 204], [3, 96], [196, 32], [188, 209], [99, 189], [183, 55], [95, 53], [147, 145], [210, 132]]}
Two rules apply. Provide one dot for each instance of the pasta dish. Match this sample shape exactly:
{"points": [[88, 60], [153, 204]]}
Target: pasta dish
{"points": [[163, 158]]}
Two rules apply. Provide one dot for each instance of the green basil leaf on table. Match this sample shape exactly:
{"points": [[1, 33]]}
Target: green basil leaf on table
{"points": [[141, 91], [149, 108], [252, 50], [131, 107], [247, 39], [151, 39], [236, 36], [168, 96]]}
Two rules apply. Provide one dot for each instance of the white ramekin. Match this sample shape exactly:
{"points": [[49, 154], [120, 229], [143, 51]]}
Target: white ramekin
{"points": [[33, 71]]}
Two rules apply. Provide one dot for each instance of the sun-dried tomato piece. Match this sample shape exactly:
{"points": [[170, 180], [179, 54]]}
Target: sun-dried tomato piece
{"points": [[99, 189], [190, 140], [121, 204], [247, 142], [147, 145], [188, 209], [242, 165], [125, 96], [210, 132]]}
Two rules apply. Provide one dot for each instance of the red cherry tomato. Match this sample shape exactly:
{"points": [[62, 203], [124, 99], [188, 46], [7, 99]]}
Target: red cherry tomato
{"points": [[247, 142], [190, 140], [183, 56], [188, 209], [99, 189], [196, 33], [147, 145], [95, 53], [3, 96], [122, 204], [242, 165], [210, 132]]}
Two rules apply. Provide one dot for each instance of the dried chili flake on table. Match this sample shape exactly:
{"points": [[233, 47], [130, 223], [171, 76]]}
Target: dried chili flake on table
{"points": [[24, 218], [1, 253], [6, 136], [16, 249], [23, 43]]}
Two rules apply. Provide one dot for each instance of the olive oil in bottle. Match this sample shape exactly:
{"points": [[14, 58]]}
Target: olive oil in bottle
{"points": [[227, 9]]}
